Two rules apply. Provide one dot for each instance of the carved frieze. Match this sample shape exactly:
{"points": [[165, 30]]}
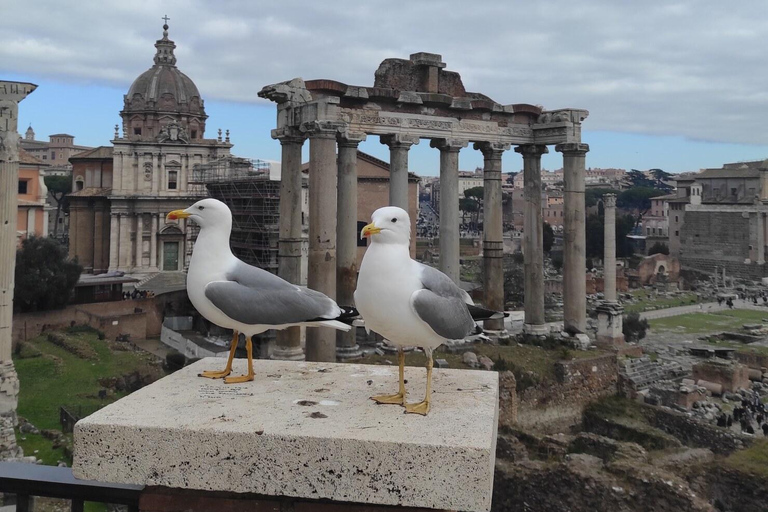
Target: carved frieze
{"points": [[147, 171]]}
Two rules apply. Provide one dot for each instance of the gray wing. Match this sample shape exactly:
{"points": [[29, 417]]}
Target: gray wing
{"points": [[442, 305], [255, 297]]}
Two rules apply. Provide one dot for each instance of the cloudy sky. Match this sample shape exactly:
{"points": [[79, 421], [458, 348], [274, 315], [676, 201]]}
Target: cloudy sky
{"points": [[678, 85]]}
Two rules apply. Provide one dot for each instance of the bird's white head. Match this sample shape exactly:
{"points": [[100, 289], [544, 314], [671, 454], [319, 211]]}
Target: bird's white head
{"points": [[389, 225], [206, 213]]}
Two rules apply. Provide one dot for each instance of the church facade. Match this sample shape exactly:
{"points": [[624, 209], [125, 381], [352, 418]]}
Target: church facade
{"points": [[163, 138]]}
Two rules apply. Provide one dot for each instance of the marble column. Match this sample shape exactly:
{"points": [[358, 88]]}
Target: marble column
{"points": [[153, 243], [321, 274], [114, 242], [346, 240], [760, 238], [533, 240], [449, 205], [11, 93], [125, 243], [609, 312], [139, 241], [493, 231], [399, 145], [574, 238], [288, 342]]}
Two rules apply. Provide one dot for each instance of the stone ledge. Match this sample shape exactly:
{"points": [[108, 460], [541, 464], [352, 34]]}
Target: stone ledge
{"points": [[305, 430]]}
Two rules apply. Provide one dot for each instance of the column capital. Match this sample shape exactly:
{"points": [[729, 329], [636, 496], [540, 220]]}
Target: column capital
{"points": [[491, 149], [322, 129], [288, 136], [609, 201], [399, 140], [535, 150], [578, 148], [350, 139], [450, 145]]}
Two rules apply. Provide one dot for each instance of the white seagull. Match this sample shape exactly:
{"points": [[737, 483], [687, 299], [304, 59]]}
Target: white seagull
{"points": [[246, 299], [408, 303]]}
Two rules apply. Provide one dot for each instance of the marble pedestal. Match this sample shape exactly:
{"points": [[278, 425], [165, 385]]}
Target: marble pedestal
{"points": [[302, 429], [610, 324]]}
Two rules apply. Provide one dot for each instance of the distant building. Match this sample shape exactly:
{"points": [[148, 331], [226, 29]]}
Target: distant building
{"points": [[56, 152], [676, 209], [725, 221], [32, 219], [656, 221]]}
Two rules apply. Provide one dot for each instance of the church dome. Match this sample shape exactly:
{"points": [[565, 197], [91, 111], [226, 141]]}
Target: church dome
{"points": [[162, 96]]}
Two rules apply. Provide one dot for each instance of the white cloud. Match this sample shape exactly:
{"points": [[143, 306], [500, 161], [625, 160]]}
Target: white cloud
{"points": [[689, 68]]}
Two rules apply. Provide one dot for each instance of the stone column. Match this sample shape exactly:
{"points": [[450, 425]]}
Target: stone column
{"points": [[609, 312], [760, 238], [609, 248], [533, 240], [114, 242], [153, 244], [288, 342], [493, 231], [574, 238], [125, 243], [399, 145], [11, 93], [139, 241], [346, 240], [449, 204], [321, 274]]}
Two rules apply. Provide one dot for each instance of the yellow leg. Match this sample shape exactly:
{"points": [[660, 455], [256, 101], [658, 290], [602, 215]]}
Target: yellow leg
{"points": [[228, 369], [423, 406], [249, 376], [399, 397]]}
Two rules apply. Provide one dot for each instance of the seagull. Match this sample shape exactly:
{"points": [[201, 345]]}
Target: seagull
{"points": [[246, 299], [409, 303]]}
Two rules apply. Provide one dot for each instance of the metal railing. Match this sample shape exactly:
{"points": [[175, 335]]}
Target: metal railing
{"points": [[27, 480]]}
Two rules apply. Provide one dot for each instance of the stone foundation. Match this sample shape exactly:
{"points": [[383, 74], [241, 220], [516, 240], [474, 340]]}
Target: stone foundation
{"points": [[729, 374]]}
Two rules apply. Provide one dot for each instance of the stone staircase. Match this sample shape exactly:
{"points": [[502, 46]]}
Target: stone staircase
{"points": [[641, 371], [164, 282]]}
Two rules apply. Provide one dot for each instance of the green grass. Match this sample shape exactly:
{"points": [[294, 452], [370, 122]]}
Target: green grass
{"points": [[725, 320], [752, 460], [644, 300], [40, 447], [58, 377]]}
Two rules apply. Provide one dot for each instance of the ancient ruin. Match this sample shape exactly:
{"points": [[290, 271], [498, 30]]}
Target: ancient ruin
{"points": [[411, 100]]}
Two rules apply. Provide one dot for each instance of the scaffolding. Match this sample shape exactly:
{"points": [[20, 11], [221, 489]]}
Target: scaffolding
{"points": [[245, 187]]}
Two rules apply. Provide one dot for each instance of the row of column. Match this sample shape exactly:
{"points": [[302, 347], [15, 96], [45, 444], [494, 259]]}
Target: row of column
{"points": [[333, 233], [123, 255]]}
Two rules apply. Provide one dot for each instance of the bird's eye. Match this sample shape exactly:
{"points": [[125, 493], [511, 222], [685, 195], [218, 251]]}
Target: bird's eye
{"points": [[201, 207], [394, 220]]}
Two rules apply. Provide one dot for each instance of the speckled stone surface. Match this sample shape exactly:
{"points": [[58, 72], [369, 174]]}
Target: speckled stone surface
{"points": [[306, 430]]}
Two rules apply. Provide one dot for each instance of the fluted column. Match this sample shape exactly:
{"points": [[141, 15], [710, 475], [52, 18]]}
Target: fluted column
{"points": [[574, 237], [493, 231], [321, 274], [125, 243], [449, 204], [288, 342], [399, 145], [11, 93], [346, 240], [114, 242], [139, 241], [533, 239]]}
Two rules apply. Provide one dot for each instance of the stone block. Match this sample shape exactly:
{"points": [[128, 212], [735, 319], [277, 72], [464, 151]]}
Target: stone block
{"points": [[303, 430]]}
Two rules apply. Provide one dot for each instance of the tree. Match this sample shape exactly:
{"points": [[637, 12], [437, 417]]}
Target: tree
{"points": [[638, 179], [634, 327], [473, 201], [549, 237], [658, 248], [638, 199], [59, 187], [660, 178], [45, 277]]}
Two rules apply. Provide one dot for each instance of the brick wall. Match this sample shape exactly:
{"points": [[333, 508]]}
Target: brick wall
{"points": [[730, 375], [752, 359]]}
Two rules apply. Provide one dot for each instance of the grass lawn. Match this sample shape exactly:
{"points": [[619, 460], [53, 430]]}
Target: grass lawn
{"points": [[725, 320], [58, 377], [644, 300]]}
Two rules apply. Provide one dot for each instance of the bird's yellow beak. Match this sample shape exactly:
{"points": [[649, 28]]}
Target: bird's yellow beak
{"points": [[176, 215], [369, 230]]}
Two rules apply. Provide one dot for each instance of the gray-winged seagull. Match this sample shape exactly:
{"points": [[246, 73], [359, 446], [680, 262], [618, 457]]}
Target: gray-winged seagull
{"points": [[235, 295], [408, 303]]}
